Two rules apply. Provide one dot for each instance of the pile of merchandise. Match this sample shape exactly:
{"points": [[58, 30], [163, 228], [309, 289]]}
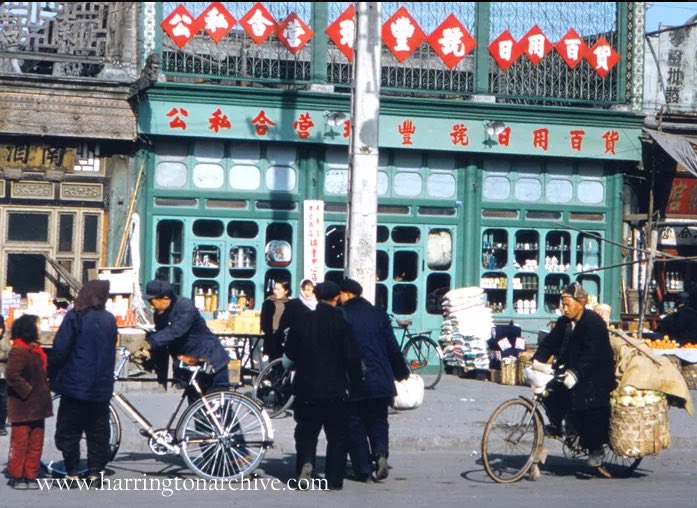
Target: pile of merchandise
{"points": [[466, 327]]}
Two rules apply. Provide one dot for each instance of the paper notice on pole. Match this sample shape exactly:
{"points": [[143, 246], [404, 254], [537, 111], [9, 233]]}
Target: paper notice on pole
{"points": [[313, 258]]}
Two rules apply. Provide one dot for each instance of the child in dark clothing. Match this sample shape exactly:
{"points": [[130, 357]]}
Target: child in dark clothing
{"points": [[28, 404]]}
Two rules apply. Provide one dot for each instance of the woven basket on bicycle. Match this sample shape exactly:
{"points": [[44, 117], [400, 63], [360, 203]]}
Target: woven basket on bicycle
{"points": [[689, 372], [524, 358], [639, 431]]}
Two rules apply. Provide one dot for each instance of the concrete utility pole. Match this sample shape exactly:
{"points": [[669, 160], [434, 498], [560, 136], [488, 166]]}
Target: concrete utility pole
{"points": [[361, 226]]}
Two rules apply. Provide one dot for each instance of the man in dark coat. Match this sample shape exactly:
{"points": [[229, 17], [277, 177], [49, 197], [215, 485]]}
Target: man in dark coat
{"points": [[180, 327], [384, 363], [581, 345], [681, 325], [327, 365]]}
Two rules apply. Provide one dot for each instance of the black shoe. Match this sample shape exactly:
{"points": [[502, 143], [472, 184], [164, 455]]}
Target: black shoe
{"points": [[3, 431], [31, 485], [552, 430], [381, 468], [17, 484]]}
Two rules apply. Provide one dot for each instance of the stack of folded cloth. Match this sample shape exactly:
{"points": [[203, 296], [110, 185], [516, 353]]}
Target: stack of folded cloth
{"points": [[466, 327]]}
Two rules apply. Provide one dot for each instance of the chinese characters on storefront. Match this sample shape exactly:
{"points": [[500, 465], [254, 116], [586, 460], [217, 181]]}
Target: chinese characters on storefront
{"points": [[42, 157], [401, 35], [313, 266]]}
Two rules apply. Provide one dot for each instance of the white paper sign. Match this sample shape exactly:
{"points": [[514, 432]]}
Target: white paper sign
{"points": [[313, 262]]}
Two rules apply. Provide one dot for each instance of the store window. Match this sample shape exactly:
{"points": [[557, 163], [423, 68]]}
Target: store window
{"points": [[591, 192], [559, 191], [206, 260], [244, 177], [406, 266], [169, 237], [496, 188], [65, 232], [173, 275], [407, 184], [383, 185], [528, 189], [336, 181], [170, 175], [208, 228], [404, 298], [280, 178], [27, 227], [437, 285], [441, 185], [279, 237], [439, 250], [26, 272], [242, 229], [90, 233], [382, 265], [208, 176], [406, 234], [334, 246]]}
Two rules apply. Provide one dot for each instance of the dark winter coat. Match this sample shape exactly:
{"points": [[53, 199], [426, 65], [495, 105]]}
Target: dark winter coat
{"points": [[28, 394], [81, 361], [378, 348], [273, 337], [327, 362], [184, 331], [586, 351], [295, 310]]}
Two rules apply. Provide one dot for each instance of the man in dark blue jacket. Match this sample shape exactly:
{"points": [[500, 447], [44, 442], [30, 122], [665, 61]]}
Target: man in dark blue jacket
{"points": [[384, 363], [180, 327]]}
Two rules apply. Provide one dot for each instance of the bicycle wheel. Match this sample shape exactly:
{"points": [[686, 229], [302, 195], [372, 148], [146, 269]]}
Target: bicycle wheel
{"points": [[617, 466], [52, 458], [511, 439], [273, 388], [424, 358], [224, 435]]}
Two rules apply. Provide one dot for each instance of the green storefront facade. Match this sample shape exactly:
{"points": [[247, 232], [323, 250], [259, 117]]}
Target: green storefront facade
{"points": [[470, 192]]}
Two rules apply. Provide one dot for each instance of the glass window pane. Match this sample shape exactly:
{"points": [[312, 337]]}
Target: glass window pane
{"points": [[439, 251], [403, 299], [591, 192], [280, 178], [209, 151], [170, 175], [208, 176], [528, 189], [559, 191], [441, 185], [336, 181], [407, 184], [28, 227], [242, 229], [406, 266], [90, 235], [244, 177], [382, 265], [169, 242], [334, 246], [65, 232], [208, 228], [496, 188], [26, 273], [383, 183], [406, 234], [437, 285]]}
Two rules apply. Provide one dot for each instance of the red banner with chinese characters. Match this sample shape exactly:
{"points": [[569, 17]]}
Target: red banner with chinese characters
{"points": [[683, 197]]}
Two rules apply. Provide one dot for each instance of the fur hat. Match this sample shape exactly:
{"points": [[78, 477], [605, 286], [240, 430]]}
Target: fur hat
{"points": [[575, 290]]}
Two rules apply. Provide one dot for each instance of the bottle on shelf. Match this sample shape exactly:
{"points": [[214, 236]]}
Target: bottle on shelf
{"points": [[197, 257], [207, 300], [200, 299], [214, 301]]}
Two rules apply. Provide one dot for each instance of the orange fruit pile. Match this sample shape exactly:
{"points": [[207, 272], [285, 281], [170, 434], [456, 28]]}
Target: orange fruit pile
{"points": [[664, 343]]}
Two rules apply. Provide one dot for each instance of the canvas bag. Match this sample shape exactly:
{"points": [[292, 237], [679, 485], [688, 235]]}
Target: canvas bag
{"points": [[410, 393]]}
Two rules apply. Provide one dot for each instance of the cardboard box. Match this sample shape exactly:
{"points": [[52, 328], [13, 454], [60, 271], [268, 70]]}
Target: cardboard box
{"points": [[247, 322]]}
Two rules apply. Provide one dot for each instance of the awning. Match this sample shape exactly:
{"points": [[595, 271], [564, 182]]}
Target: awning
{"points": [[678, 147]]}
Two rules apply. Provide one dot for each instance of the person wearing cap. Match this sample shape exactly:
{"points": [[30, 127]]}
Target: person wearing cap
{"points": [[368, 405], [681, 325], [327, 366], [584, 361], [180, 327]]}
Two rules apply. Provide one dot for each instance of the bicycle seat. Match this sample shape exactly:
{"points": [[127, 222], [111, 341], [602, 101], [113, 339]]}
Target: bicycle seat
{"points": [[191, 361], [404, 323]]}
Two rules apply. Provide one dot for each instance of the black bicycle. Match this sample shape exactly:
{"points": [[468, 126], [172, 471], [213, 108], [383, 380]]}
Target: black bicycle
{"points": [[423, 354], [273, 388], [513, 442]]}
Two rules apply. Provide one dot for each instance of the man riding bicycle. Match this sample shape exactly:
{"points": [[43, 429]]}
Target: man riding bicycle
{"points": [[585, 363], [180, 327]]}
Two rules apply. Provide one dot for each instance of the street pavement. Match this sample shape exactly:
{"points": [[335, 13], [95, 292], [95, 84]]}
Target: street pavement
{"points": [[435, 458]]}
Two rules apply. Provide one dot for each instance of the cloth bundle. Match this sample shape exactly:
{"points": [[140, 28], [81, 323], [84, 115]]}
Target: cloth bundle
{"points": [[466, 327]]}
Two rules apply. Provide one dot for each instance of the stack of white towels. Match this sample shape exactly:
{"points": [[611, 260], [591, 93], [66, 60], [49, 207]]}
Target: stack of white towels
{"points": [[466, 327]]}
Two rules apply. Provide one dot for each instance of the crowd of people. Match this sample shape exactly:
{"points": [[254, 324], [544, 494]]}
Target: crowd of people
{"points": [[346, 360]]}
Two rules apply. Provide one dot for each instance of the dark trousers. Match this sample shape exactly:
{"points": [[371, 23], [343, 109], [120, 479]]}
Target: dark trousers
{"points": [[369, 434], [26, 445], [592, 424], [74, 418], [310, 419], [218, 381], [3, 403]]}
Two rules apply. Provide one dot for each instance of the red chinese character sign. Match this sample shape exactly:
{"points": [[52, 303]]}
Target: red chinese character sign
{"points": [[177, 122], [180, 26], [294, 33], [572, 48], [451, 41], [535, 45], [217, 21], [261, 123], [218, 120], [402, 34], [258, 23], [602, 57], [342, 32], [303, 125], [505, 50]]}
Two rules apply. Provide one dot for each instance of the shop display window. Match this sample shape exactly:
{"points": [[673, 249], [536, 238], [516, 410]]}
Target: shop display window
{"points": [[494, 249], [588, 253], [281, 178], [334, 245], [278, 250], [554, 285], [205, 295], [27, 227], [242, 229], [557, 251], [206, 228], [437, 285], [439, 249], [406, 266], [525, 287], [381, 296], [65, 232], [169, 242], [205, 260], [404, 298], [526, 250], [243, 261], [239, 289], [244, 177], [90, 233], [383, 234], [382, 265], [171, 175], [406, 234]]}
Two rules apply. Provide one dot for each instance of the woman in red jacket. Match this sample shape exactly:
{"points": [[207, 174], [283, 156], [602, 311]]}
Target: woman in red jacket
{"points": [[28, 403]]}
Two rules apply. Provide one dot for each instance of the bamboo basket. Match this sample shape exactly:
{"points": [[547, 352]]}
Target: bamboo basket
{"points": [[508, 371], [524, 358], [689, 372], [639, 431]]}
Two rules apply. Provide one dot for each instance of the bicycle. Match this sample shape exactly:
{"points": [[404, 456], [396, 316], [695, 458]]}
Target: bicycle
{"points": [[513, 442], [273, 388], [220, 436], [422, 353]]}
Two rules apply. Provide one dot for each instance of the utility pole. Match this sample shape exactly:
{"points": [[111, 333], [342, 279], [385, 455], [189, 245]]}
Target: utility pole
{"points": [[361, 225]]}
